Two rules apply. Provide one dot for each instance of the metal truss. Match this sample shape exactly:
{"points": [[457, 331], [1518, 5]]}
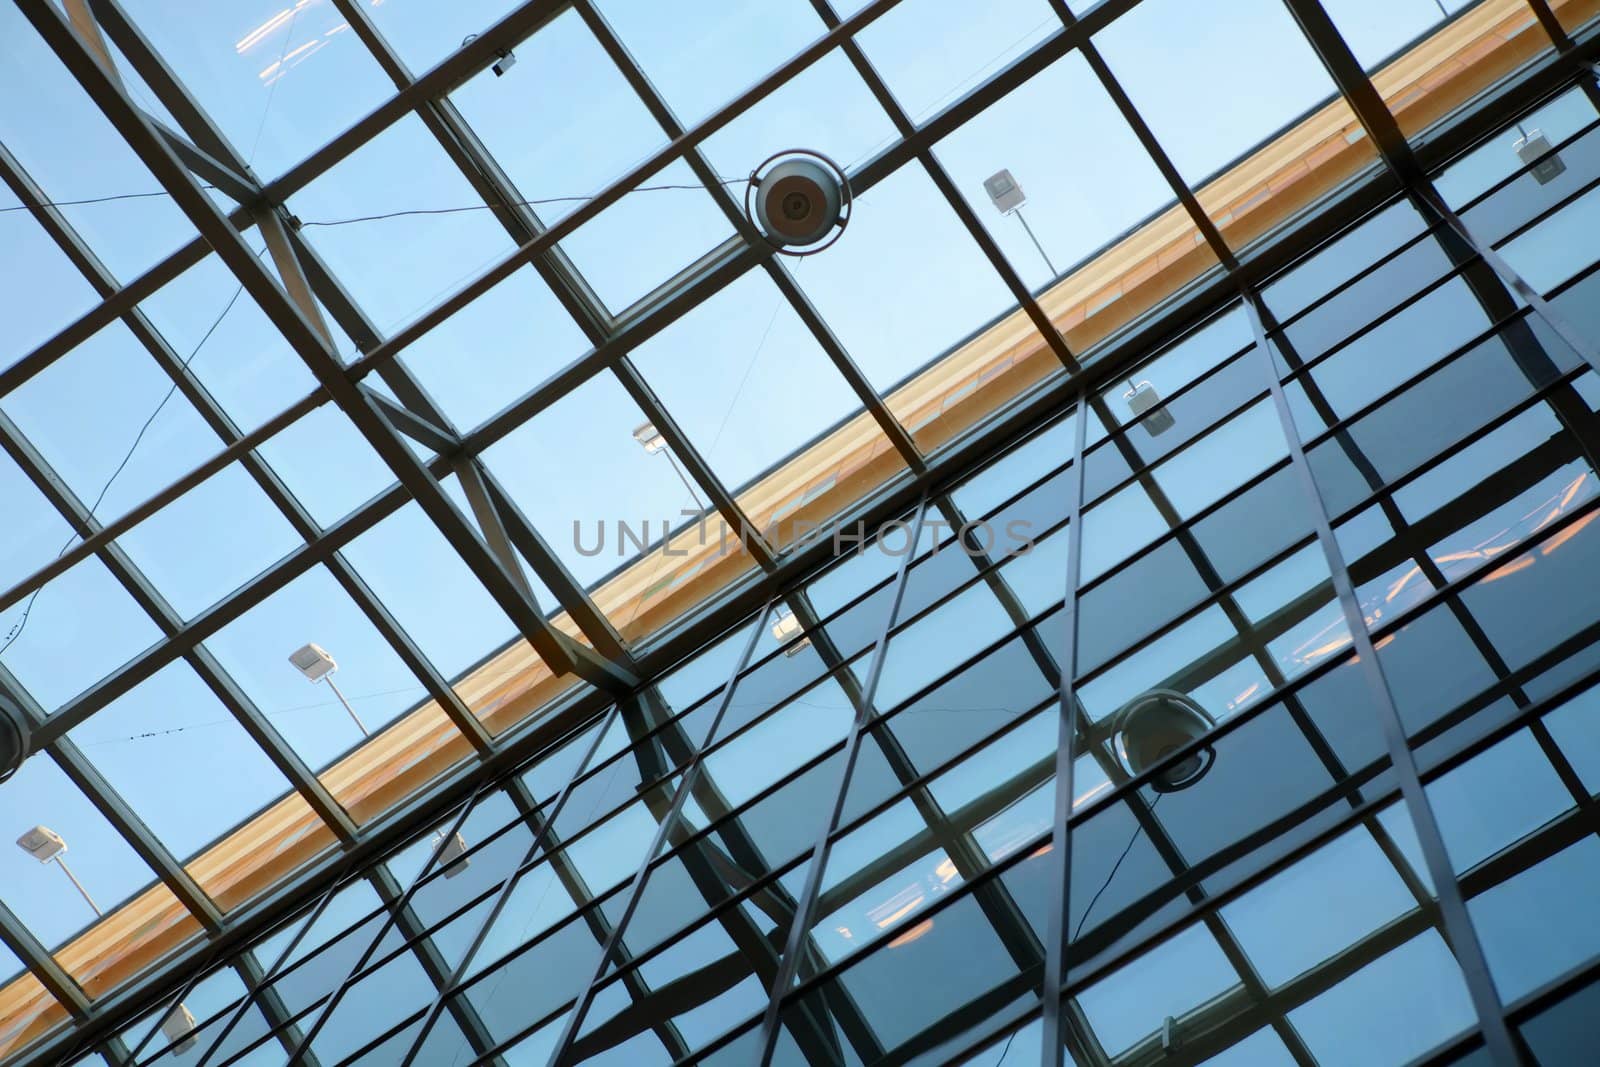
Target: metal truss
{"points": [[495, 539]]}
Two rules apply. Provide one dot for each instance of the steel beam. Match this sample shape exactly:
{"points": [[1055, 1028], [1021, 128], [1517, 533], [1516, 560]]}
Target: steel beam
{"points": [[43, 966], [1458, 925]]}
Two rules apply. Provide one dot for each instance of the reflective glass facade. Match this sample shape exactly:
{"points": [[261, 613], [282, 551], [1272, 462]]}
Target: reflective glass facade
{"points": [[852, 759]]}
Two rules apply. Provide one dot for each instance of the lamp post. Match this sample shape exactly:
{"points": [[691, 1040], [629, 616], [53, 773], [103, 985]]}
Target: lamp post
{"points": [[652, 442], [44, 845], [1008, 198], [313, 661]]}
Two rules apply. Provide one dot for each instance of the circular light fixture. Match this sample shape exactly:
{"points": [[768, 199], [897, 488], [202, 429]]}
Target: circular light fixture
{"points": [[14, 735], [798, 199], [1157, 723]]}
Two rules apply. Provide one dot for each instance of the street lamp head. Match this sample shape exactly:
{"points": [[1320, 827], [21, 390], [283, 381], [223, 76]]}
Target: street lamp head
{"points": [[649, 438], [451, 851], [178, 1029], [313, 661], [1004, 192], [42, 843]]}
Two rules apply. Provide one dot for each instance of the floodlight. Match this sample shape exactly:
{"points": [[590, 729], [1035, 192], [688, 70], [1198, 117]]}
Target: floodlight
{"points": [[504, 60], [1008, 198], [1145, 403], [313, 661], [785, 626], [1532, 145], [652, 442], [649, 438], [1004, 191], [452, 853], [178, 1029], [1157, 723], [42, 843], [14, 736]]}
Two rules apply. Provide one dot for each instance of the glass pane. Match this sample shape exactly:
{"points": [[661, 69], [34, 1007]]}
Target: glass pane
{"points": [[397, 267], [172, 722], [1409, 1000], [128, 235], [280, 82], [698, 61]]}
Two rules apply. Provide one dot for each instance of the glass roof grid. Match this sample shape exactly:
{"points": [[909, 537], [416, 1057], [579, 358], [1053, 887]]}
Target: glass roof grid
{"points": [[148, 845], [60, 293], [955, 200], [353, 318], [399, 265], [279, 80], [125, 235], [803, 512]]}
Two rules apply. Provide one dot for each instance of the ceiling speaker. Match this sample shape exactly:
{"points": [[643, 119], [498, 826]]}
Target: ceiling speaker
{"points": [[14, 735], [800, 200], [1156, 724]]}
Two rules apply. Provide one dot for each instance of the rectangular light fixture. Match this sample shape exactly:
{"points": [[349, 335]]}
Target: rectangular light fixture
{"points": [[452, 853], [1004, 191], [42, 843], [1533, 145], [649, 438], [178, 1028], [313, 661], [1145, 403]]}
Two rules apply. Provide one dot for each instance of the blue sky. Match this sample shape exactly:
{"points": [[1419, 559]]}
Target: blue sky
{"points": [[741, 374]]}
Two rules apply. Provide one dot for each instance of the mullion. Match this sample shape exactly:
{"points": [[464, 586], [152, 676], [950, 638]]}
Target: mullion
{"points": [[556, 807], [391, 912], [1349, 822], [799, 933], [536, 857], [504, 889], [1284, 695], [781, 277], [1071, 722], [634, 889], [1379, 494], [1330, 432], [1456, 922], [305, 926]]}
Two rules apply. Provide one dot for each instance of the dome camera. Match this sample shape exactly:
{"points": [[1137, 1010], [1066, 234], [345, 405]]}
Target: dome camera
{"points": [[1156, 724], [14, 737], [799, 199]]}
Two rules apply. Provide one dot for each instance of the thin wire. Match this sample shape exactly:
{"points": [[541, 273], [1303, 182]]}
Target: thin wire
{"points": [[89, 200], [1007, 1049], [1114, 867], [27, 610], [374, 218], [272, 90], [749, 367], [491, 207]]}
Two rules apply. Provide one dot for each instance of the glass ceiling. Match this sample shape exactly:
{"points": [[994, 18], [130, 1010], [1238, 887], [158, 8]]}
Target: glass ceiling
{"points": [[211, 448]]}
